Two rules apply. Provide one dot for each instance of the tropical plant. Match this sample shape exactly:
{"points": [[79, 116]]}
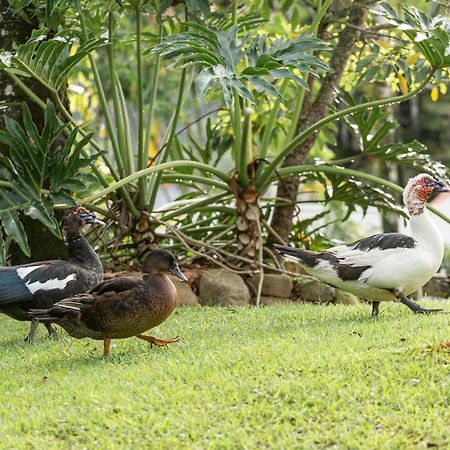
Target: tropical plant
{"points": [[258, 82], [37, 172]]}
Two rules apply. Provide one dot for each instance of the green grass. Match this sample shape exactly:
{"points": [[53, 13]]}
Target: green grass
{"points": [[294, 376]]}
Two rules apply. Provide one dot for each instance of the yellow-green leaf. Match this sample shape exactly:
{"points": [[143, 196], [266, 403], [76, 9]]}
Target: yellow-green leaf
{"points": [[434, 93], [403, 84]]}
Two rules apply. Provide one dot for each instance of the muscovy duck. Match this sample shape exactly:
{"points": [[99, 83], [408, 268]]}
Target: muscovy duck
{"points": [[121, 307], [41, 284], [386, 266]]}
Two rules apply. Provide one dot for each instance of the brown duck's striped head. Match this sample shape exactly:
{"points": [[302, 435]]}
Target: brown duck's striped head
{"points": [[162, 261]]}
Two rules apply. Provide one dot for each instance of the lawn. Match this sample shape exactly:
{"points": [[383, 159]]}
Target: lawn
{"points": [[288, 376]]}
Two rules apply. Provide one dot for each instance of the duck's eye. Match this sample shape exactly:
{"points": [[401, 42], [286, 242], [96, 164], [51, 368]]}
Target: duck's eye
{"points": [[429, 182]]}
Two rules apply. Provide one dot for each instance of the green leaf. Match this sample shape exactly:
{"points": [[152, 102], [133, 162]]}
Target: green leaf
{"points": [[14, 228], [262, 85], [284, 73], [63, 199], [295, 18], [205, 81], [44, 214]]}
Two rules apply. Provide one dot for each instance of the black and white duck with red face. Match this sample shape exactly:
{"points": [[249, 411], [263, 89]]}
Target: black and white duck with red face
{"points": [[386, 266], [41, 284]]}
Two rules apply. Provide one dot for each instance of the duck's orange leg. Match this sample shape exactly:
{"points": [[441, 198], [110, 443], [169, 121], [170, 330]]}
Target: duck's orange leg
{"points": [[106, 345], [156, 341]]}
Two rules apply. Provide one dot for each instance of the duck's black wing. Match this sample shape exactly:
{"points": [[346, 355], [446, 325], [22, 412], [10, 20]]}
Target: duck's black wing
{"points": [[12, 287], [43, 282], [383, 241]]}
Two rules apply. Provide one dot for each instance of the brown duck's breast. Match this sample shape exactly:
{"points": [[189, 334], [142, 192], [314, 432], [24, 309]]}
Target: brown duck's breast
{"points": [[137, 310]]}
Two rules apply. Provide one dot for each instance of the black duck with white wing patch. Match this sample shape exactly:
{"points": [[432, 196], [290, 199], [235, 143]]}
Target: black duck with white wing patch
{"points": [[41, 284]]}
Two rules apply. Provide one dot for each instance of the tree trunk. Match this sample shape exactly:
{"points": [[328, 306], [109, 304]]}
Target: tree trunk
{"points": [[283, 216], [14, 32]]}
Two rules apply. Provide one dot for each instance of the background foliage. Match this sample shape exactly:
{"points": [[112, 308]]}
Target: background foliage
{"points": [[181, 114]]}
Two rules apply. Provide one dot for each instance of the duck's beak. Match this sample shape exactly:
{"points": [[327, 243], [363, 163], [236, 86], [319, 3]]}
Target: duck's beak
{"points": [[90, 218], [440, 187], [174, 270]]}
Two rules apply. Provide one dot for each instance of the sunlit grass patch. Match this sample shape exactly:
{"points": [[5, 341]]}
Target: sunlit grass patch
{"points": [[294, 376]]}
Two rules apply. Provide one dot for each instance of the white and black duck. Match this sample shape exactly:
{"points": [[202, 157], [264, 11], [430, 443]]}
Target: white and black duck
{"points": [[386, 266], [41, 284]]}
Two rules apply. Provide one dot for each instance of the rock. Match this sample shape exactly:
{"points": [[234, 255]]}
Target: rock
{"points": [[274, 285], [267, 300], [313, 290], [294, 267], [220, 287], [186, 295], [345, 298], [438, 286]]}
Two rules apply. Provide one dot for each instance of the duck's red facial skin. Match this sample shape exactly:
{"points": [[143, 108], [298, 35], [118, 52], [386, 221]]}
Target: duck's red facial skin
{"points": [[423, 188], [79, 210]]}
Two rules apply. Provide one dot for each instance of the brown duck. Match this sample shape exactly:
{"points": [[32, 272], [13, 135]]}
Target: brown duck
{"points": [[122, 307]]}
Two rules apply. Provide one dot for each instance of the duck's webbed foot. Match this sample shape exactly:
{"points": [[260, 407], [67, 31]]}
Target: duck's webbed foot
{"points": [[33, 330], [413, 306], [375, 308], [51, 331], [158, 342]]}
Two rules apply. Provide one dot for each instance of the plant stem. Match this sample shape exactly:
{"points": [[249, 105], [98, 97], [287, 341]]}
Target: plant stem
{"points": [[142, 155], [194, 206], [173, 178], [246, 149], [121, 162], [234, 13], [240, 158], [151, 107], [262, 182], [159, 168], [319, 15], [270, 124], [101, 96], [156, 179]]}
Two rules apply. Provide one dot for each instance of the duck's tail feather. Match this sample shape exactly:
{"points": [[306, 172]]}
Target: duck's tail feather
{"points": [[42, 315], [55, 313], [305, 257]]}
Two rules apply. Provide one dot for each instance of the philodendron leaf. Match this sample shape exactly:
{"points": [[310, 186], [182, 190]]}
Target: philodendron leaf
{"points": [[14, 228], [39, 211], [262, 85], [205, 81], [284, 73]]}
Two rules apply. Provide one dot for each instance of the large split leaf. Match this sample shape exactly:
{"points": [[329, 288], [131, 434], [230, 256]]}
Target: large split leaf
{"points": [[47, 60], [431, 35], [249, 66]]}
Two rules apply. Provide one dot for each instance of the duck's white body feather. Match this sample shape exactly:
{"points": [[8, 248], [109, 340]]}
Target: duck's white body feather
{"points": [[403, 268]]}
